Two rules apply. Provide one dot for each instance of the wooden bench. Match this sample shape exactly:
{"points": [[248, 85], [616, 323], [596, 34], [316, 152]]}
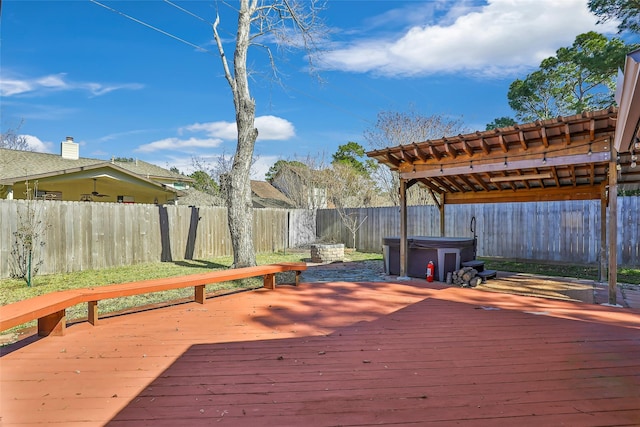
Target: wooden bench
{"points": [[50, 309]]}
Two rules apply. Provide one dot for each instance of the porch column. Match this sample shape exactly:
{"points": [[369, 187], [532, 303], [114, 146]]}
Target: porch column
{"points": [[603, 233], [441, 207], [613, 227], [404, 260]]}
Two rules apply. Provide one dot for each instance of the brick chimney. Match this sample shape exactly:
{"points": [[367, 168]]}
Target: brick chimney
{"points": [[69, 149]]}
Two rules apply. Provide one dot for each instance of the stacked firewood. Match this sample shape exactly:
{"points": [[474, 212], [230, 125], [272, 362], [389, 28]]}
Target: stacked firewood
{"points": [[466, 277]]}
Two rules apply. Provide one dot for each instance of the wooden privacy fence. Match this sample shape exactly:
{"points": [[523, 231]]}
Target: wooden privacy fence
{"points": [[81, 236], [556, 231]]}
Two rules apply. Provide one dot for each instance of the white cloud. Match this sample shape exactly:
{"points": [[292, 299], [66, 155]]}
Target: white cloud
{"points": [[274, 128], [52, 81], [186, 165], [270, 128], [261, 166], [500, 38], [12, 86], [98, 89], [35, 144], [9, 87], [223, 130], [177, 144], [120, 135]]}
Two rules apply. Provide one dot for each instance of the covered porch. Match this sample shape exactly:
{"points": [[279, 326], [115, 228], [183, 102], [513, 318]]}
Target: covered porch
{"points": [[566, 158]]}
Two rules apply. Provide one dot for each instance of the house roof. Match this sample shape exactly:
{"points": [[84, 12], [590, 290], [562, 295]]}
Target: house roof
{"points": [[18, 165], [566, 158], [266, 195]]}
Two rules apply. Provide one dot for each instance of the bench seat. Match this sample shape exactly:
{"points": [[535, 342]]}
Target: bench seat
{"points": [[50, 309]]}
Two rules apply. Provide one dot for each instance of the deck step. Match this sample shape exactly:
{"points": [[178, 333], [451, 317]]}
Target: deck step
{"points": [[488, 274], [478, 265]]}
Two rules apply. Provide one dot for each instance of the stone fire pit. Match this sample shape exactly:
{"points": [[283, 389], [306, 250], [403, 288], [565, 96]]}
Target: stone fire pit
{"points": [[321, 253]]}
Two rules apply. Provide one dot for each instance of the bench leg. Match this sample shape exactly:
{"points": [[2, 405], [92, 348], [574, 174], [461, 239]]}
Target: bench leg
{"points": [[53, 324], [298, 273], [92, 312], [270, 281], [199, 294]]}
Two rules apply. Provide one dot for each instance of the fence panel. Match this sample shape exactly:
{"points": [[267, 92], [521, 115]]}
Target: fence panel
{"points": [[87, 235], [555, 231], [302, 227]]}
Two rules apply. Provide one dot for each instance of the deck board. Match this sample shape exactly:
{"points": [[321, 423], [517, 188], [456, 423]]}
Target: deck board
{"points": [[336, 354]]}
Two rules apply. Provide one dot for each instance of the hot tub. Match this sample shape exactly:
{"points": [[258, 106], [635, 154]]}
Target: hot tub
{"points": [[447, 253]]}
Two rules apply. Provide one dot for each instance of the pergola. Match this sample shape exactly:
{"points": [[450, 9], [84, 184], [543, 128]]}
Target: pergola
{"points": [[566, 158]]}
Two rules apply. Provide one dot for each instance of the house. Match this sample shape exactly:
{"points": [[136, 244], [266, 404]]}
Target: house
{"points": [[303, 186], [265, 195], [69, 177]]}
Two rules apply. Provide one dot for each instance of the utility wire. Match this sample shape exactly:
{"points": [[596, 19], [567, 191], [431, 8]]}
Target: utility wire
{"points": [[188, 12], [201, 49]]}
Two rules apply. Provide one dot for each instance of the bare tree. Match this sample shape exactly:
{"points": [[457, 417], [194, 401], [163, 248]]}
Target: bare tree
{"points": [[12, 140], [26, 253], [396, 128], [291, 23], [349, 190]]}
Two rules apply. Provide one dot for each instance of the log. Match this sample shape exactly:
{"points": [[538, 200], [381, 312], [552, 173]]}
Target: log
{"points": [[475, 281], [468, 275]]}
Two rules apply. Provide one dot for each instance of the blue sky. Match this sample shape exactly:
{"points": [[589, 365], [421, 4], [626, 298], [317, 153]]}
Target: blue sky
{"points": [[75, 68]]}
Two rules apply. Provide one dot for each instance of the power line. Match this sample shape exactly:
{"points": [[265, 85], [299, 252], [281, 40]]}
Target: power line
{"points": [[201, 49], [188, 12]]}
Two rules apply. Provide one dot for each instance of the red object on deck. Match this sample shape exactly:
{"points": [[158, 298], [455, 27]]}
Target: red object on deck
{"points": [[430, 271]]}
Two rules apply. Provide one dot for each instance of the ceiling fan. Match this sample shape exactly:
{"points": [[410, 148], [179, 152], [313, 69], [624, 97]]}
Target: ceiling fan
{"points": [[95, 193]]}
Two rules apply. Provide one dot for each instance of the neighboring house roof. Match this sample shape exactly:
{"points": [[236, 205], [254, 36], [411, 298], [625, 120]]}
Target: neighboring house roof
{"points": [[266, 195], [151, 171], [18, 165], [72, 177], [301, 188]]}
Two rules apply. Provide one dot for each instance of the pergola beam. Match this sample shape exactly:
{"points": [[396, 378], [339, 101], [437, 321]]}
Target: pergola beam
{"points": [[498, 166], [526, 195]]}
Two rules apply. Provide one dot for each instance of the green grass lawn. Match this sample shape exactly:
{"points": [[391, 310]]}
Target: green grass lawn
{"points": [[589, 272], [16, 290]]}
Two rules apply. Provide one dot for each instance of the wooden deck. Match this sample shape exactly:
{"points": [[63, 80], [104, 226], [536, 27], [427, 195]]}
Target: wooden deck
{"points": [[336, 353]]}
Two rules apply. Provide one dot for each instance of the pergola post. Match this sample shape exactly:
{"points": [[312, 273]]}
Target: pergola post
{"points": [[613, 227], [441, 207], [603, 233], [404, 260]]}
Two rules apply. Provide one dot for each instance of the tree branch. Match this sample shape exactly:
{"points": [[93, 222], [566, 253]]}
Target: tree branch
{"points": [[223, 58]]}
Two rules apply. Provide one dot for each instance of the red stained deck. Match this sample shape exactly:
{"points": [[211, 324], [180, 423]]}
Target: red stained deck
{"points": [[336, 354]]}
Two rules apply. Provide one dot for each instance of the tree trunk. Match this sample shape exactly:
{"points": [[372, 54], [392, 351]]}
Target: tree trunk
{"points": [[268, 18], [240, 216]]}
